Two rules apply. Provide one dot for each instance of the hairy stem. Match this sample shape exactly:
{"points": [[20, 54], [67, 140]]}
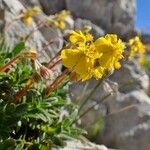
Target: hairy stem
{"points": [[57, 81], [97, 103], [90, 95]]}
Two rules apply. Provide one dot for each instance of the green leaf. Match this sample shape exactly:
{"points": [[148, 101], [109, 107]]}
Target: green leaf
{"points": [[7, 144], [47, 129], [17, 49], [10, 109], [21, 109], [58, 141], [19, 146], [69, 120], [43, 147]]}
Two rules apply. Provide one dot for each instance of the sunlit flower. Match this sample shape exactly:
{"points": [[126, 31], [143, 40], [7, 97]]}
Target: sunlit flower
{"points": [[112, 50], [92, 59], [28, 14], [82, 61], [76, 60], [136, 46], [28, 20], [80, 37]]}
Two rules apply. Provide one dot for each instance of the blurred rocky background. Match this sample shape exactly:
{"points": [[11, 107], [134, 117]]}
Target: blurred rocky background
{"points": [[122, 120]]}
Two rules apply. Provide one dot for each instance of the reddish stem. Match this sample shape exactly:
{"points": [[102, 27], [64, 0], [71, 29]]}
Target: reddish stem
{"points": [[22, 92], [53, 65], [35, 78], [58, 80], [6, 66]]}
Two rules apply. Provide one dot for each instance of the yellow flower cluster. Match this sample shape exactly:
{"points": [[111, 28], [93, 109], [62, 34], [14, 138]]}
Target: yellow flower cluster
{"points": [[29, 13], [136, 46], [59, 19], [89, 58]]}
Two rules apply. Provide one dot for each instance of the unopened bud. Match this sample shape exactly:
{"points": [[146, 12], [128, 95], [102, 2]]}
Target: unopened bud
{"points": [[45, 72]]}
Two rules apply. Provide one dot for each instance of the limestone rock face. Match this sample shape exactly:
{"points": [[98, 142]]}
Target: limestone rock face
{"points": [[80, 91], [15, 30], [102, 101], [30, 3], [131, 77], [114, 16], [52, 6], [129, 126], [82, 23], [78, 145]]}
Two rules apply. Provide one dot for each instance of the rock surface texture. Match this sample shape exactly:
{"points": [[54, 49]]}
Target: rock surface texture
{"points": [[129, 126], [78, 145], [131, 77], [15, 30], [115, 16], [95, 30]]}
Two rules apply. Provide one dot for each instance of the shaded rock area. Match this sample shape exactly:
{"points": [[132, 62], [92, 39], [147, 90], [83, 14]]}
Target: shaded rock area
{"points": [[130, 125], [102, 102], [131, 77], [52, 6], [95, 30], [113, 16]]}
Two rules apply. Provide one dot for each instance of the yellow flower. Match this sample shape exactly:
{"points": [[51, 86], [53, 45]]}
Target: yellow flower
{"points": [[92, 59], [59, 24], [59, 19], [28, 20], [63, 15], [82, 61], [136, 46], [76, 60], [80, 38], [112, 49], [28, 14]]}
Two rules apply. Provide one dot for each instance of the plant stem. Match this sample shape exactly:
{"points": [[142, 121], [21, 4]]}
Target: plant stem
{"points": [[23, 91], [56, 56], [90, 108], [53, 65], [91, 94], [58, 80], [6, 66], [30, 82]]}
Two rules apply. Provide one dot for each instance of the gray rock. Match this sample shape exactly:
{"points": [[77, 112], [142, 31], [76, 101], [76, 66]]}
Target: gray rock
{"points": [[82, 145], [145, 38], [128, 127], [114, 16], [99, 104], [30, 3], [18, 30], [81, 90], [82, 23], [2, 16], [131, 77], [52, 6]]}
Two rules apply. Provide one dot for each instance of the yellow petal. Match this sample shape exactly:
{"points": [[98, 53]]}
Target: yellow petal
{"points": [[28, 20]]}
